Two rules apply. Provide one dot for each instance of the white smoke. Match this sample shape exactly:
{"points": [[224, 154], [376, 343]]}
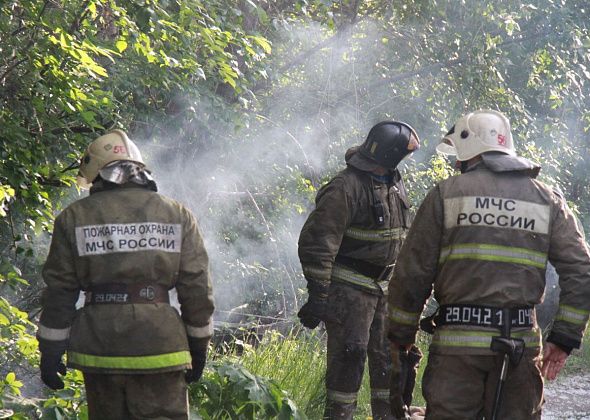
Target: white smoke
{"points": [[241, 186]]}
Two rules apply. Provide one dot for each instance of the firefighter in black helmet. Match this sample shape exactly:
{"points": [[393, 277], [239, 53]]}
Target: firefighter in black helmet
{"points": [[347, 248]]}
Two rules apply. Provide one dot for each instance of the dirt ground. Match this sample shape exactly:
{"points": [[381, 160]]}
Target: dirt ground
{"points": [[568, 398]]}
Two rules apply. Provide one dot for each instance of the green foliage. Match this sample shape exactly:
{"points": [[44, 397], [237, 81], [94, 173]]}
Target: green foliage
{"points": [[230, 391], [17, 344], [65, 404], [70, 68], [288, 86], [297, 362]]}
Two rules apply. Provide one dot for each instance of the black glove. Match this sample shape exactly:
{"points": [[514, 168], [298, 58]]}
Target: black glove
{"points": [[198, 348], [409, 369], [51, 364], [313, 312], [428, 324], [316, 308]]}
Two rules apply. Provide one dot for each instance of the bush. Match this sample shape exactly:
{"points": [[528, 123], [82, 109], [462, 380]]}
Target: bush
{"points": [[229, 391]]}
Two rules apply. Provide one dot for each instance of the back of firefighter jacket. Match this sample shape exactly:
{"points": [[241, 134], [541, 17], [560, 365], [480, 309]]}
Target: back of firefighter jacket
{"points": [[483, 239], [126, 238]]}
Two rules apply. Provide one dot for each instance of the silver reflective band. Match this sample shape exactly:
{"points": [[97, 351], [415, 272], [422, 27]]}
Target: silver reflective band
{"points": [[488, 252], [53, 334], [380, 394], [480, 339], [341, 397], [348, 276], [496, 212], [381, 235], [572, 315], [200, 332]]}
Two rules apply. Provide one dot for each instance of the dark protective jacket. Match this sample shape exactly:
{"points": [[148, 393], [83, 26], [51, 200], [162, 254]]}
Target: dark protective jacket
{"points": [[342, 240], [484, 238], [132, 236]]}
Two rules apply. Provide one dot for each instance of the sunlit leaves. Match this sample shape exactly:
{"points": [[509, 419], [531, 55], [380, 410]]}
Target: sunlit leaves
{"points": [[6, 194], [229, 390]]}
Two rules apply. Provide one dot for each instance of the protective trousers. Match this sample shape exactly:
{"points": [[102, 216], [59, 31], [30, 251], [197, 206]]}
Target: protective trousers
{"points": [[463, 387], [357, 331], [134, 397]]}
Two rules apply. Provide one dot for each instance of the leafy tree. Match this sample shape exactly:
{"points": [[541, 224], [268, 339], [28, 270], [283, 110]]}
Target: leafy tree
{"points": [[247, 108]]}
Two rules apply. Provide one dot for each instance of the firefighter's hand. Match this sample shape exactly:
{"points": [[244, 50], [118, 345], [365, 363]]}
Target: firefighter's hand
{"points": [[553, 361], [312, 313], [198, 349], [51, 365], [198, 365]]}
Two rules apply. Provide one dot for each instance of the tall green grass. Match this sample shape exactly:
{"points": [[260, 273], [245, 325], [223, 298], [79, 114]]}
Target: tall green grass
{"points": [[297, 363]]}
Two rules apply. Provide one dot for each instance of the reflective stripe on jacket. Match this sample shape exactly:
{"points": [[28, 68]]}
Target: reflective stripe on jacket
{"points": [[344, 224], [126, 235], [484, 238]]}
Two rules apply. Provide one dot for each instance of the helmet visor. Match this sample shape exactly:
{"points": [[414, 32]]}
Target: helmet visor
{"points": [[446, 147], [414, 143]]}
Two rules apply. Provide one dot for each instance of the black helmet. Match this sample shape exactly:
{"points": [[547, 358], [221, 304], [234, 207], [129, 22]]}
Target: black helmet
{"points": [[387, 143]]}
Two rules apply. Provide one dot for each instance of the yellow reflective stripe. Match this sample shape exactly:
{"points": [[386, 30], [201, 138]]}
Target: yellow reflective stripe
{"points": [[487, 252], [53, 334], [341, 397], [379, 235], [480, 339], [403, 317], [317, 273], [130, 362], [572, 315], [342, 274]]}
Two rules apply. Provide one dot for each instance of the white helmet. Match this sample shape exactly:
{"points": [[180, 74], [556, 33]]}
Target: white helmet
{"points": [[476, 133], [111, 147]]}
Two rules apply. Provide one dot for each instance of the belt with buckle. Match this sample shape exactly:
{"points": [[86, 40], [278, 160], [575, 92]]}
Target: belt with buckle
{"points": [[120, 293]]}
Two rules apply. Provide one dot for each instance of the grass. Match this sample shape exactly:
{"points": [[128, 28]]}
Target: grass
{"points": [[297, 363]]}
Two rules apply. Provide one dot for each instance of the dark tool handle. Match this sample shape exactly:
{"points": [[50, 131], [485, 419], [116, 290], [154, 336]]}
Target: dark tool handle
{"points": [[506, 323], [505, 333], [500, 387]]}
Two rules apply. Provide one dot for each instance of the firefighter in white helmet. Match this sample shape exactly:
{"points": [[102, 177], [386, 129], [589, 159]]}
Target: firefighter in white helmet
{"points": [[482, 240], [126, 246]]}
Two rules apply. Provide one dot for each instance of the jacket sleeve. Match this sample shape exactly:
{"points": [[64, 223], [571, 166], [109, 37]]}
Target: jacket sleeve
{"points": [[193, 284], [62, 289], [415, 270], [322, 233], [570, 256]]}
